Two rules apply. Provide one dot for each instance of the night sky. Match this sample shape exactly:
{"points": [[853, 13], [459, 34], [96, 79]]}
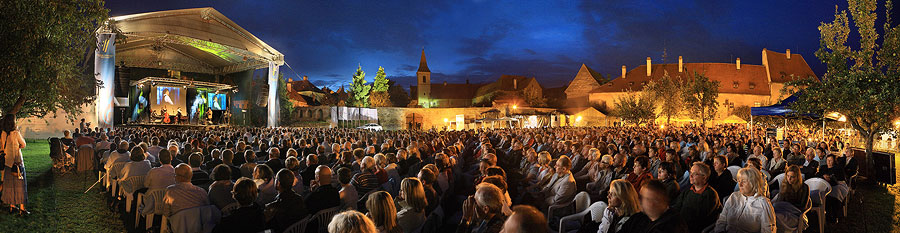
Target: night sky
{"points": [[480, 40]]}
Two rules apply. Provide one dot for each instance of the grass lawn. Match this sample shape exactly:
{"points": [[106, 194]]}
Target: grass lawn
{"points": [[57, 202]]}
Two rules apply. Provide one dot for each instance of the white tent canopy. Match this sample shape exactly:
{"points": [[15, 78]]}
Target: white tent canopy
{"points": [[199, 40]]}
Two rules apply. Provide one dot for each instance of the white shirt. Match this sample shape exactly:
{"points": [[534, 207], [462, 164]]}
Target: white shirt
{"points": [[746, 214], [133, 168], [160, 177]]}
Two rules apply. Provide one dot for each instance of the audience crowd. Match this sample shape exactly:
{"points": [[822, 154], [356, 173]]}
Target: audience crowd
{"points": [[612, 179]]}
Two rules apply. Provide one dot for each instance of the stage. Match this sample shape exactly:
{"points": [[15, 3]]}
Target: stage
{"points": [[174, 126]]}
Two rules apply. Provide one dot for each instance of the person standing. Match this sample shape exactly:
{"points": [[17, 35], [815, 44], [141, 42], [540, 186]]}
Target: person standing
{"points": [[15, 190]]}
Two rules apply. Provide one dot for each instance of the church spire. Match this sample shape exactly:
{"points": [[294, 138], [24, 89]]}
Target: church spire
{"points": [[423, 66]]}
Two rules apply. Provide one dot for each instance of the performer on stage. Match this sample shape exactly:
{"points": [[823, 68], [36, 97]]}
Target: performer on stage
{"points": [[178, 116], [209, 116]]}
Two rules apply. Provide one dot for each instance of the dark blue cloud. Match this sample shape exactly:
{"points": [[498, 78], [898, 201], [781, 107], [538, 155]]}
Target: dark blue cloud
{"points": [[480, 40]]}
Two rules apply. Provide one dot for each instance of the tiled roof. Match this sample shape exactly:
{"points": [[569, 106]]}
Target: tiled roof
{"points": [[750, 79], [304, 85], [423, 66], [781, 68]]}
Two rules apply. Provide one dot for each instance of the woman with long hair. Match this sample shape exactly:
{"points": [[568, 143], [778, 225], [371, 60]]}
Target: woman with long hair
{"points": [[749, 209], [623, 203], [15, 190], [382, 212], [412, 204]]}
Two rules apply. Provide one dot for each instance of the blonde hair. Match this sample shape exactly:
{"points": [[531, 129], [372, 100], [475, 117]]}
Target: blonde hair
{"points": [[382, 210], [624, 191], [351, 221], [414, 194], [543, 158], [594, 153], [755, 178]]}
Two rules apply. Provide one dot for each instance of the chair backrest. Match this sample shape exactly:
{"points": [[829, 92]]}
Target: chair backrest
{"points": [[779, 179], [116, 169], [131, 184], [818, 189], [582, 201], [186, 220], [229, 208], [84, 158], [686, 176], [597, 210], [299, 226], [324, 217], [734, 170], [155, 196]]}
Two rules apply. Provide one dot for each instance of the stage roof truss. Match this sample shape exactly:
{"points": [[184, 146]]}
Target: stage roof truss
{"points": [[181, 82]]}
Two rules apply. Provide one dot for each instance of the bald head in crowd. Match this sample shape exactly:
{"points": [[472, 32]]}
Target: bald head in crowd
{"points": [[525, 219], [183, 173], [323, 175]]}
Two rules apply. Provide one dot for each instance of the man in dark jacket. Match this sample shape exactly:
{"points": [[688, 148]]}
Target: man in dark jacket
{"points": [[699, 206], [656, 216], [323, 195], [275, 161], [288, 207]]}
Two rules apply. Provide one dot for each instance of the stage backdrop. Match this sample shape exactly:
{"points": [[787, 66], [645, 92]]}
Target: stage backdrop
{"points": [[169, 98]]}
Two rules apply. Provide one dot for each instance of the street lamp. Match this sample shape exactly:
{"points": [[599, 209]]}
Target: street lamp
{"points": [[515, 106]]}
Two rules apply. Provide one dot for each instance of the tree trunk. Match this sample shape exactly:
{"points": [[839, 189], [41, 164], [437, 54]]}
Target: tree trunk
{"points": [[870, 161], [20, 101]]}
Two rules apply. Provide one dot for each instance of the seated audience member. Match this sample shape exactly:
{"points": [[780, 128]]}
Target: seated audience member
{"points": [[640, 172], [380, 162], [427, 177], [120, 155], [183, 195], [623, 204], [227, 159], [500, 182], [220, 190], [348, 193], [834, 175], [288, 206], [758, 154], [216, 159], [351, 221], [162, 176], [599, 187], [722, 180], [382, 212], [248, 167], [200, 177], [809, 167], [265, 182], [699, 206], [365, 181], [138, 166], [666, 175], [247, 218], [275, 162], [749, 209], [656, 216], [561, 188], [412, 203], [312, 163], [293, 165], [792, 189], [525, 219], [777, 164], [483, 212], [323, 194]]}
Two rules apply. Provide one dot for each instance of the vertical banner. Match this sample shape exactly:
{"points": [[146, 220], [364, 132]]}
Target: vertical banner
{"points": [[273, 105], [104, 71]]}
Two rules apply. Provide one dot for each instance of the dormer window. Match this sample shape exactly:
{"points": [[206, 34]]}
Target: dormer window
{"points": [[752, 86], [630, 83], [735, 85]]}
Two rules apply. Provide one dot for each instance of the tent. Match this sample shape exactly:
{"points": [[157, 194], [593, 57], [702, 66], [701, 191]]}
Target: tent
{"points": [[733, 120]]}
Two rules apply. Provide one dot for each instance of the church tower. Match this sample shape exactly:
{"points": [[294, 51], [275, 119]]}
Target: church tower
{"points": [[423, 76]]}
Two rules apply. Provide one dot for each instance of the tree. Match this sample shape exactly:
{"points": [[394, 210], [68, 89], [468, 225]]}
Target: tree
{"points": [[359, 91], [46, 46], [381, 81], [700, 97], [863, 83], [397, 94], [661, 91], [379, 96], [635, 108], [287, 107]]}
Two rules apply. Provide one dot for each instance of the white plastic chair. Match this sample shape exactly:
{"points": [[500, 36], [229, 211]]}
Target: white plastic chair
{"points": [[127, 188], [324, 217], [230, 208], [734, 170], [581, 201], [299, 226], [595, 210], [822, 188]]}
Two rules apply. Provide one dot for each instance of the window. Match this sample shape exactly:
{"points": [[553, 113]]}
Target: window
{"points": [[423, 79], [630, 83], [753, 86], [735, 85]]}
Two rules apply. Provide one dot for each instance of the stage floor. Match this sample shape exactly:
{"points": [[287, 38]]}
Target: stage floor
{"points": [[161, 125]]}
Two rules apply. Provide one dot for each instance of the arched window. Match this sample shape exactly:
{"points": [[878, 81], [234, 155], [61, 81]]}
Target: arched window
{"points": [[423, 79]]}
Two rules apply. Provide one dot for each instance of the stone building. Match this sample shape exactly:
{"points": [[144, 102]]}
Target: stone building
{"points": [[739, 84], [303, 93], [511, 90]]}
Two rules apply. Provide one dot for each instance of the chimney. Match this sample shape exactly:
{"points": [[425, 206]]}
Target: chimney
{"points": [[445, 83], [680, 65], [648, 67], [788, 54], [515, 84], [737, 63], [290, 79], [305, 78], [623, 71]]}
